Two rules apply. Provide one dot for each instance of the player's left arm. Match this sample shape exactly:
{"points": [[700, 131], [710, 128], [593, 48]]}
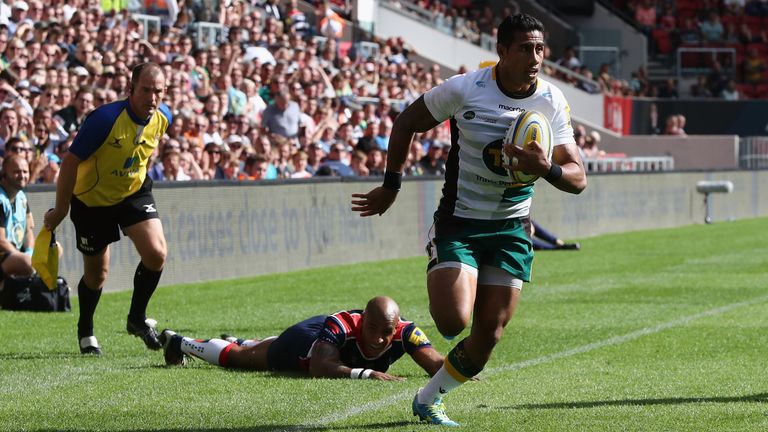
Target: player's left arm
{"points": [[325, 362], [566, 171], [429, 359]]}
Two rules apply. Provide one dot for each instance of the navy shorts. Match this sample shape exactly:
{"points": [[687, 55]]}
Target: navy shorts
{"points": [[293, 345], [97, 227]]}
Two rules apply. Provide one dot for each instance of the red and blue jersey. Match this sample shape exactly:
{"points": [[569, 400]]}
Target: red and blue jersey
{"points": [[292, 349]]}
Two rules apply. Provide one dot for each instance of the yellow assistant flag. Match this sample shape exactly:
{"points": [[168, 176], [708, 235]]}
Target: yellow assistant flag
{"points": [[45, 257]]}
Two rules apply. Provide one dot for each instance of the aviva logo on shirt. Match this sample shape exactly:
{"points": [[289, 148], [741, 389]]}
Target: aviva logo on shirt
{"points": [[130, 168]]}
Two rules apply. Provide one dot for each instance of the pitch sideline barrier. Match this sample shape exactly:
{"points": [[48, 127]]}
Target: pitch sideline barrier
{"points": [[223, 231]]}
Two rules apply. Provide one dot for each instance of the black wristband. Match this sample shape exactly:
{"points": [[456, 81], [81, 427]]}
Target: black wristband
{"points": [[392, 180], [555, 172]]}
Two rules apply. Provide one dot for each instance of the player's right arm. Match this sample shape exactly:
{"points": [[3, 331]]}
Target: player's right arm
{"points": [[325, 362], [64, 187], [89, 138], [415, 118]]}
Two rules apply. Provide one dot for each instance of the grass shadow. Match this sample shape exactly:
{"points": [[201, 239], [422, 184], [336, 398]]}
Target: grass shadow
{"points": [[759, 397], [269, 428]]}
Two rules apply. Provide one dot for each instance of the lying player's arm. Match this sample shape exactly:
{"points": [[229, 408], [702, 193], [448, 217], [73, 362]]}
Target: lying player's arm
{"points": [[325, 362], [429, 359]]}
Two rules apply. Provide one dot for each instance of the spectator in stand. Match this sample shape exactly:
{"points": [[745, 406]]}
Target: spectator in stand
{"points": [[681, 120], [756, 8], [338, 160], [377, 161], [669, 89], [734, 7], [358, 163], [689, 33], [591, 147], [72, 116], [717, 78], [384, 129], [754, 67], [701, 88], [673, 126], [730, 92], [172, 170], [569, 59], [432, 163], [300, 162], [212, 162], [315, 157], [17, 237], [587, 84], [189, 164], [256, 167], [645, 15], [49, 133], [282, 117], [712, 31]]}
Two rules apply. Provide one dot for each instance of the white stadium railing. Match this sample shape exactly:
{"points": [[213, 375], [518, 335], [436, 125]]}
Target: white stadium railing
{"points": [[630, 164], [753, 152]]}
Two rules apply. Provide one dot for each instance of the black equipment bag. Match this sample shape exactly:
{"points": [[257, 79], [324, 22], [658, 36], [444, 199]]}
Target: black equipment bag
{"points": [[31, 294]]}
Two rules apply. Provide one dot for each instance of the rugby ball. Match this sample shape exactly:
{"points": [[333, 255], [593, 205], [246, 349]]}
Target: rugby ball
{"points": [[529, 126]]}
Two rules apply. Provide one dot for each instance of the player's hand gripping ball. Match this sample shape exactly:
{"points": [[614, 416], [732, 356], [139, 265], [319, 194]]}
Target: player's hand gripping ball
{"points": [[529, 126]]}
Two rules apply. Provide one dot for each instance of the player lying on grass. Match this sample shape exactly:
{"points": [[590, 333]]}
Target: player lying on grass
{"points": [[348, 344]]}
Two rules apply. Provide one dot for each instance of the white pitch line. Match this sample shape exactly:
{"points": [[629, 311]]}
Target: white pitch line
{"points": [[615, 340]]}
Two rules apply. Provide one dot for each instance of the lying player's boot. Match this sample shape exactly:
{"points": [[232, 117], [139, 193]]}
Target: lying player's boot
{"points": [[90, 346], [172, 351], [434, 413], [570, 246], [146, 332]]}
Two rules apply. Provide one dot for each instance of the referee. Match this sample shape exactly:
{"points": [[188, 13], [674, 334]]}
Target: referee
{"points": [[104, 181]]}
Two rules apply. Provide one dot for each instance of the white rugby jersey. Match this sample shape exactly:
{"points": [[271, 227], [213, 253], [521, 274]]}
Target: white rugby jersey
{"points": [[477, 186]]}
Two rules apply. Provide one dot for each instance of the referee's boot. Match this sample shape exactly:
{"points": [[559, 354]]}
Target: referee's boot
{"points": [[145, 331]]}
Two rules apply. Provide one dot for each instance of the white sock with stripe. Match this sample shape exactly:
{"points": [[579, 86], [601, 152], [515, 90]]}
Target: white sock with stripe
{"points": [[213, 351], [437, 387]]}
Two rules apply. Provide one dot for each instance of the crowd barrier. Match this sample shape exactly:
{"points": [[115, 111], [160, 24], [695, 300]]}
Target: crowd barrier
{"points": [[228, 230], [630, 164]]}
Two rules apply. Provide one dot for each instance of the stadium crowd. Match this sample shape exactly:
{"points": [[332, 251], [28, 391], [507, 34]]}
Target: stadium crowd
{"points": [[279, 97], [739, 25]]}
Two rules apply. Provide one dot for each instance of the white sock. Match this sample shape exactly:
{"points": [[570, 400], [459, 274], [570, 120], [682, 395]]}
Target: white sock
{"points": [[437, 387], [209, 350]]}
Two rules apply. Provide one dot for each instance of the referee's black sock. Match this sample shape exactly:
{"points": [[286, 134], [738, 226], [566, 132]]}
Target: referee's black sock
{"points": [[144, 283], [87, 299]]}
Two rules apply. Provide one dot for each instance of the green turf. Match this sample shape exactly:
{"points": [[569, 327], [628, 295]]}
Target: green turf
{"points": [[648, 331]]}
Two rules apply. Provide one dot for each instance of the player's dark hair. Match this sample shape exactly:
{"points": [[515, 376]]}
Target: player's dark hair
{"points": [[138, 69], [521, 22]]}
